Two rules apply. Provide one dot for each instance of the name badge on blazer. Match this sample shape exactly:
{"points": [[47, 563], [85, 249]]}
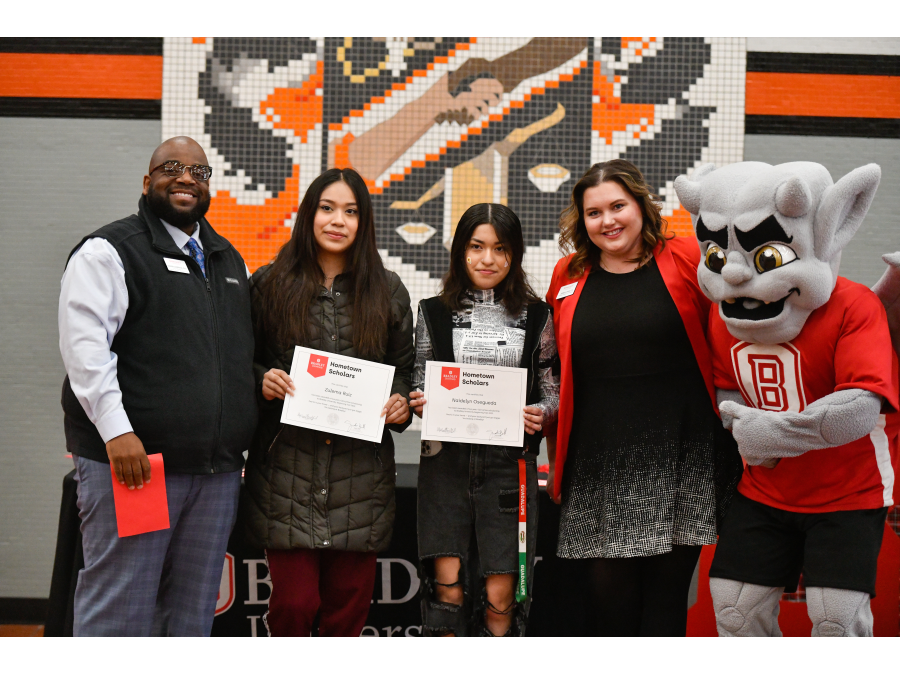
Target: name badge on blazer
{"points": [[177, 265], [566, 291]]}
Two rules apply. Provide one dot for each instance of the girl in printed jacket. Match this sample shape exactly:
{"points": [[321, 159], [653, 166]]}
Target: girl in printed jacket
{"points": [[468, 493]]}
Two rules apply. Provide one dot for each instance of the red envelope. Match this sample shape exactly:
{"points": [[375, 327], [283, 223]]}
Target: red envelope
{"points": [[144, 510]]}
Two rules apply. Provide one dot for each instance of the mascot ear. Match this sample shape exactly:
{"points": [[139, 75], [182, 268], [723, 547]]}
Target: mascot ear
{"points": [[843, 208], [688, 189]]}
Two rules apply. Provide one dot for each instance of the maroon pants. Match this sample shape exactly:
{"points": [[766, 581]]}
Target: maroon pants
{"points": [[335, 584]]}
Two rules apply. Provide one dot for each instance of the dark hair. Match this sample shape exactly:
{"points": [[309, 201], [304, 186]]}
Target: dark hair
{"points": [[514, 290], [574, 236], [294, 277]]}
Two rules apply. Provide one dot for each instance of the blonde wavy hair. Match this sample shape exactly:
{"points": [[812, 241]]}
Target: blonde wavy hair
{"points": [[573, 234]]}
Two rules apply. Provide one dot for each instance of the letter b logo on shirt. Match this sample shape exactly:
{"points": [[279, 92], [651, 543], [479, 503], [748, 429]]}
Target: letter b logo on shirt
{"points": [[769, 376], [318, 365], [449, 377]]}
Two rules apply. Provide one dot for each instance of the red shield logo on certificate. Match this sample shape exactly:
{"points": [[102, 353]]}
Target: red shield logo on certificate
{"points": [[449, 377], [318, 365]]}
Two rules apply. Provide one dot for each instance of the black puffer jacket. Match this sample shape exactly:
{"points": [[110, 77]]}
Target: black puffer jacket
{"points": [[310, 489]]}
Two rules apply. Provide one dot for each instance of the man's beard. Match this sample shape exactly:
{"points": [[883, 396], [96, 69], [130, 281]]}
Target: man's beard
{"points": [[164, 210]]}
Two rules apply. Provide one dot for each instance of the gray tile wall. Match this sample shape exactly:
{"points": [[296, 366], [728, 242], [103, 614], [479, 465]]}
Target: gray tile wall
{"points": [[880, 233], [62, 179]]}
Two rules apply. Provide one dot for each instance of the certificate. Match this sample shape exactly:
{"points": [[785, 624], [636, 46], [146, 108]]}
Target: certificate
{"points": [[338, 394], [474, 404]]}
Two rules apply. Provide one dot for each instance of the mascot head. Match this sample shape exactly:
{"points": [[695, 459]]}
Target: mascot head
{"points": [[771, 239]]}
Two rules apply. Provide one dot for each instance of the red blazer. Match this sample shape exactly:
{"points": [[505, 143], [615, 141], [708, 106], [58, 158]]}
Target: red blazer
{"points": [[677, 263]]}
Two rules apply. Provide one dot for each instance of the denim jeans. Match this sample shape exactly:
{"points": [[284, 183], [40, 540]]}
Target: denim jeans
{"points": [[468, 509]]}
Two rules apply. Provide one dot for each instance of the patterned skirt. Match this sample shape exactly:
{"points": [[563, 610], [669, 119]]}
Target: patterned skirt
{"points": [[649, 465]]}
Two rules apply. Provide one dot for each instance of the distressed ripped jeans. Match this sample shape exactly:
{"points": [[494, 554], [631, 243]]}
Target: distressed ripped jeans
{"points": [[468, 509]]}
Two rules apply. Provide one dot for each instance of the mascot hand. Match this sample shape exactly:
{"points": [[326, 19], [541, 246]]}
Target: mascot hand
{"points": [[753, 431], [725, 411]]}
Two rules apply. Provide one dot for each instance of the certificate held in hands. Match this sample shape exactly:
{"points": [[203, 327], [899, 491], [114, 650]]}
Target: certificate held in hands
{"points": [[338, 394], [474, 404]]}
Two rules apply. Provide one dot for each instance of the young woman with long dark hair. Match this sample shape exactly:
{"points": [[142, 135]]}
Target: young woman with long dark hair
{"points": [[322, 505], [648, 466], [468, 493]]}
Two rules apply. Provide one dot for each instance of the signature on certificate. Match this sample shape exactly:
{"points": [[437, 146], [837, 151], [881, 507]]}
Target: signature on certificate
{"points": [[307, 417], [446, 430], [355, 426], [496, 433]]}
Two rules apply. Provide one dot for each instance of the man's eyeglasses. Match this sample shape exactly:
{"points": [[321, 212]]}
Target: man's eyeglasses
{"points": [[173, 169]]}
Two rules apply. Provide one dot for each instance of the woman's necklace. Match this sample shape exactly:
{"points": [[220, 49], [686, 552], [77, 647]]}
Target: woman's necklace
{"points": [[331, 264], [632, 266]]}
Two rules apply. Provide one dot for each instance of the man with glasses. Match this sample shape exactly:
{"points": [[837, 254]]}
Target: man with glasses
{"points": [[156, 338]]}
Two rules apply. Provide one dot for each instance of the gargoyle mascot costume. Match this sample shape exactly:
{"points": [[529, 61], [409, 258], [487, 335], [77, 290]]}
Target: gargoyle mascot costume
{"points": [[806, 379]]}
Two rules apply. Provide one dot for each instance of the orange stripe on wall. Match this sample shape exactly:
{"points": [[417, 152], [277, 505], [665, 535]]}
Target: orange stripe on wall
{"points": [[816, 95], [81, 76]]}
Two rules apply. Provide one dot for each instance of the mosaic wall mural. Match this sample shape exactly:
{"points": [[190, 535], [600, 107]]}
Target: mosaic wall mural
{"points": [[435, 124]]}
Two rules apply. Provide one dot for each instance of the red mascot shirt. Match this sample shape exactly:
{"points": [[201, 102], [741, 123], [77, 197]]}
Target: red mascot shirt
{"points": [[844, 344]]}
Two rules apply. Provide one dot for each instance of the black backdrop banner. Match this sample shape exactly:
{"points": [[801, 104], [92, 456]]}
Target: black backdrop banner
{"points": [[556, 609], [395, 609]]}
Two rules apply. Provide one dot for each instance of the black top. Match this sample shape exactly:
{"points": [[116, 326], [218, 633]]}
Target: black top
{"points": [[627, 324], [643, 426]]}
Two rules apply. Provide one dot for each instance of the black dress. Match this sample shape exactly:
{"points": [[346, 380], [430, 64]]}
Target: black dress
{"points": [[640, 472]]}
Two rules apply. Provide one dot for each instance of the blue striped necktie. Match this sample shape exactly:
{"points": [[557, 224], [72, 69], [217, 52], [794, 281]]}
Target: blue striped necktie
{"points": [[193, 250]]}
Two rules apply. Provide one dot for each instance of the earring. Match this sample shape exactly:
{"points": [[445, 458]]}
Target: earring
{"points": [[469, 260], [507, 264]]}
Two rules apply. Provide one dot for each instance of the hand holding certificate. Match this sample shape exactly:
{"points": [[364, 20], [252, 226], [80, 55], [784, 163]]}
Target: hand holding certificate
{"points": [[474, 404], [338, 394]]}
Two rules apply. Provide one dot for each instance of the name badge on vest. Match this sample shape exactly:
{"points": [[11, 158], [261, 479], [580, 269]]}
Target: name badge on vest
{"points": [[566, 291], [177, 265]]}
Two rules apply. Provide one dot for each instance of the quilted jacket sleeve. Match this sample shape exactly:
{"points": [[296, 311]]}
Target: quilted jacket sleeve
{"points": [[400, 351]]}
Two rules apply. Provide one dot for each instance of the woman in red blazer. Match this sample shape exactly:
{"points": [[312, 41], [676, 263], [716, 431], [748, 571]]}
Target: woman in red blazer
{"points": [[640, 463]]}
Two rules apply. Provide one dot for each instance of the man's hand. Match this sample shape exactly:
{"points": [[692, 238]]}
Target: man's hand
{"points": [[129, 460]]}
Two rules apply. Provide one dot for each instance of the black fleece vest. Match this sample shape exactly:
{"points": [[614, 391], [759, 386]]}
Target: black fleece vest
{"points": [[440, 328], [185, 352]]}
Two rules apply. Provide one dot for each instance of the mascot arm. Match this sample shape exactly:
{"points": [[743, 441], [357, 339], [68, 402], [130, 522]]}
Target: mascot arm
{"points": [[834, 420], [732, 395]]}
